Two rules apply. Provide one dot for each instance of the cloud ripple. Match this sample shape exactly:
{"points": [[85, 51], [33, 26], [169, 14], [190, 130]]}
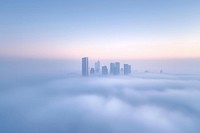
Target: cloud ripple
{"points": [[144, 103]]}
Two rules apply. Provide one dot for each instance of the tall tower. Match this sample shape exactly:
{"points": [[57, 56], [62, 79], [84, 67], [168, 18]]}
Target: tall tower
{"points": [[112, 68], [85, 66], [127, 69], [117, 68], [97, 66], [104, 70]]}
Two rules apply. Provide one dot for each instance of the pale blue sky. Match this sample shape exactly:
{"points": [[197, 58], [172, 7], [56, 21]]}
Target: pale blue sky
{"points": [[132, 29]]}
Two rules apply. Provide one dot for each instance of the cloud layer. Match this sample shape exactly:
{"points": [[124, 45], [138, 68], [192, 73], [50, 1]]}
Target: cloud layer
{"points": [[143, 103]]}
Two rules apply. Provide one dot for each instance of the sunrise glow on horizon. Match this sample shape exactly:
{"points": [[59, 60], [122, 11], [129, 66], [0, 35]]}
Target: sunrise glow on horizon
{"points": [[104, 29]]}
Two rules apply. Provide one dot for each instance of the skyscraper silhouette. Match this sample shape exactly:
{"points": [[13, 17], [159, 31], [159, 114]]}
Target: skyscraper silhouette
{"points": [[115, 68], [127, 69], [85, 66], [104, 70], [112, 68], [97, 66]]}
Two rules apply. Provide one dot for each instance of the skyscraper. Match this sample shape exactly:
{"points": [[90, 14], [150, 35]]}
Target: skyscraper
{"points": [[85, 66], [104, 70], [127, 69], [97, 66], [117, 68], [112, 68]]}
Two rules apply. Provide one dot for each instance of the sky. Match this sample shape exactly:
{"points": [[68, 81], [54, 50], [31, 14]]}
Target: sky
{"points": [[104, 29]]}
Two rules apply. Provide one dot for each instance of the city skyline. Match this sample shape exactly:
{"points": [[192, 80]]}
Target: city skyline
{"points": [[97, 69], [107, 29]]}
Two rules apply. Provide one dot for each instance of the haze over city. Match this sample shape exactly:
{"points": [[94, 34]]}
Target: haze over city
{"points": [[107, 66]]}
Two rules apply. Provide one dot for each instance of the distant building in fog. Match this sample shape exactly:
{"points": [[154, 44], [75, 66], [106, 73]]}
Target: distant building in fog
{"points": [[91, 71], [112, 68], [97, 66], [104, 70], [85, 66], [127, 69], [115, 68]]}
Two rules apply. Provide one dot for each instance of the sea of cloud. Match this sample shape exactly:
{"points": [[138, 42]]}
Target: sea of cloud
{"points": [[140, 103]]}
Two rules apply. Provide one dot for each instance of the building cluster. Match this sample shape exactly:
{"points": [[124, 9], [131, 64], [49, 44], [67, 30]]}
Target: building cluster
{"points": [[115, 68]]}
